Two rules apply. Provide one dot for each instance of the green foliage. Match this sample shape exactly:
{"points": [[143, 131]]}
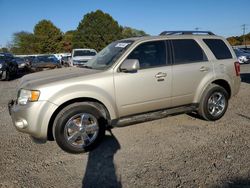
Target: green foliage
{"points": [[96, 30], [24, 43], [48, 37], [128, 32], [5, 50], [66, 43], [239, 40]]}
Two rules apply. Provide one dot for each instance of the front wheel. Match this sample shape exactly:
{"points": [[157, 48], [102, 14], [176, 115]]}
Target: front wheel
{"points": [[6, 75], [214, 103], [79, 127]]}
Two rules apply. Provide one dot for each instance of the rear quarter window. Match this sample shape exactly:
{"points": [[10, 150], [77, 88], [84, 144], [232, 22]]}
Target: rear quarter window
{"points": [[187, 51], [219, 48]]}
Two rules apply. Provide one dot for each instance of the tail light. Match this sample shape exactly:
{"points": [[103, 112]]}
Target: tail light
{"points": [[237, 68]]}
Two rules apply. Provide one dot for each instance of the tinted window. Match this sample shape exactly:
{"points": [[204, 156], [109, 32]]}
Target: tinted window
{"points": [[187, 51], [46, 59], [84, 53], [219, 48], [150, 54]]}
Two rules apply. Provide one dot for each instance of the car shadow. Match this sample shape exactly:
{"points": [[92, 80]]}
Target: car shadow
{"points": [[100, 170], [244, 116], [237, 183], [245, 77]]}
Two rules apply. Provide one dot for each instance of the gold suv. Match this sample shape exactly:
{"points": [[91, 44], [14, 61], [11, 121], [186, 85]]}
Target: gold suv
{"points": [[130, 81]]}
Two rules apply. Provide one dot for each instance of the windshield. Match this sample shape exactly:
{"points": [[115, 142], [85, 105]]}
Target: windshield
{"points": [[84, 53], [106, 58], [240, 52], [19, 60]]}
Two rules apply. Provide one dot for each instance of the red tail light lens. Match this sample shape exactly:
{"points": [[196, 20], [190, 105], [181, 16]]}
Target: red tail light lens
{"points": [[237, 68]]}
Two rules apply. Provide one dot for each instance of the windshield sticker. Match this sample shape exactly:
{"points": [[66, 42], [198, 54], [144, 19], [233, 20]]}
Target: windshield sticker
{"points": [[122, 45]]}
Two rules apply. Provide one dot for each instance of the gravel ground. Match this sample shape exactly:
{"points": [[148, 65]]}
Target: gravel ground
{"points": [[178, 151]]}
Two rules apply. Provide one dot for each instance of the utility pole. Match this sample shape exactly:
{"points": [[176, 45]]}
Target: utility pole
{"points": [[244, 34]]}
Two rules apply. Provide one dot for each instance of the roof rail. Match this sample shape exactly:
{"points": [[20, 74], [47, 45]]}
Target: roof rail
{"points": [[186, 32]]}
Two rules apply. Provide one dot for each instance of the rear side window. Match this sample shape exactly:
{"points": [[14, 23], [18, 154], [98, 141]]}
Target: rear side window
{"points": [[187, 51], [219, 48]]}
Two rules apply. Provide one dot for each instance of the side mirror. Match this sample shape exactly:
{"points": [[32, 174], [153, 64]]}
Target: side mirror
{"points": [[130, 65]]}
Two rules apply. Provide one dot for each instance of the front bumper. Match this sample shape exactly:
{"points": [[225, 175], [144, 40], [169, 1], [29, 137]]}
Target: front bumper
{"points": [[32, 118], [80, 63]]}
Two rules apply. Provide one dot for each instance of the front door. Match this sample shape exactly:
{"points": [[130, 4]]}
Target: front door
{"points": [[149, 88]]}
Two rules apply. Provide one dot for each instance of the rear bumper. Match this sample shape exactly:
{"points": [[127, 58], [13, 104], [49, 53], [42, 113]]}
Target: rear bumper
{"points": [[236, 84]]}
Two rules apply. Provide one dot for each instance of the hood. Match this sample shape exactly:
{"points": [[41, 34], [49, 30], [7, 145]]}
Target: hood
{"points": [[33, 80], [82, 58]]}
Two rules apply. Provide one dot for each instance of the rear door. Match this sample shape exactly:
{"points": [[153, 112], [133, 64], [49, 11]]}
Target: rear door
{"points": [[149, 88], [189, 68]]}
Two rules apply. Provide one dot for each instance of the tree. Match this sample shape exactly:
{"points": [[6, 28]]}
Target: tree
{"points": [[5, 50], [233, 41], [128, 32], [24, 43], [238, 40], [66, 43], [96, 30], [48, 37]]}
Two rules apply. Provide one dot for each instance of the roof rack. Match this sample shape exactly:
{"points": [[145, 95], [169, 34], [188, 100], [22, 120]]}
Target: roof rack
{"points": [[186, 32]]}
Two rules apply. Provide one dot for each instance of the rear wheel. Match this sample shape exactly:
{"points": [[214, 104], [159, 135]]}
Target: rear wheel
{"points": [[79, 127], [214, 103]]}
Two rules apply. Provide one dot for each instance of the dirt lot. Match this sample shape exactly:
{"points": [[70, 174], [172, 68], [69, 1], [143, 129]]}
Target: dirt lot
{"points": [[178, 151]]}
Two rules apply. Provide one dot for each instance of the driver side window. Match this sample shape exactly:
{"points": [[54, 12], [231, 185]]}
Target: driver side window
{"points": [[150, 54]]}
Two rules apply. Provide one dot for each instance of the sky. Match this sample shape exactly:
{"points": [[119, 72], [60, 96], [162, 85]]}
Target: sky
{"points": [[223, 17]]}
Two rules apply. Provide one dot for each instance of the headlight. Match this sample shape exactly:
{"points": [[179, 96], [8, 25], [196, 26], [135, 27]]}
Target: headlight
{"points": [[25, 96]]}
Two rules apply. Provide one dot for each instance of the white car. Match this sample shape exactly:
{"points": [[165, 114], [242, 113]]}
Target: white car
{"points": [[81, 56]]}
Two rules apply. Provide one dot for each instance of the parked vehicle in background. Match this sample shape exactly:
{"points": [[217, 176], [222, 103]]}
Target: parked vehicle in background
{"points": [[59, 56], [23, 63], [8, 66], [246, 50], [65, 61], [44, 62], [81, 56], [243, 56], [129, 81], [29, 59]]}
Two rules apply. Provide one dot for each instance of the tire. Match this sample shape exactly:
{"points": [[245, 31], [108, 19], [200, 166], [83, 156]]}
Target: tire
{"points": [[79, 127], [214, 103], [7, 75]]}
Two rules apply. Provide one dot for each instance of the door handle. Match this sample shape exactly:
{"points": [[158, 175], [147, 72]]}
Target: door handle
{"points": [[204, 69], [161, 75]]}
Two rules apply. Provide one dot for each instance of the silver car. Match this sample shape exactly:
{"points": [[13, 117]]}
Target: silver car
{"points": [[129, 81]]}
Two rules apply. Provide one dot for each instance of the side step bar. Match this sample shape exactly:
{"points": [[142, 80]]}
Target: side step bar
{"points": [[149, 116]]}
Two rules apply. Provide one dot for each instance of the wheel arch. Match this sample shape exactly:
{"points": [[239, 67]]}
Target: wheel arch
{"points": [[101, 106], [225, 85], [219, 81]]}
